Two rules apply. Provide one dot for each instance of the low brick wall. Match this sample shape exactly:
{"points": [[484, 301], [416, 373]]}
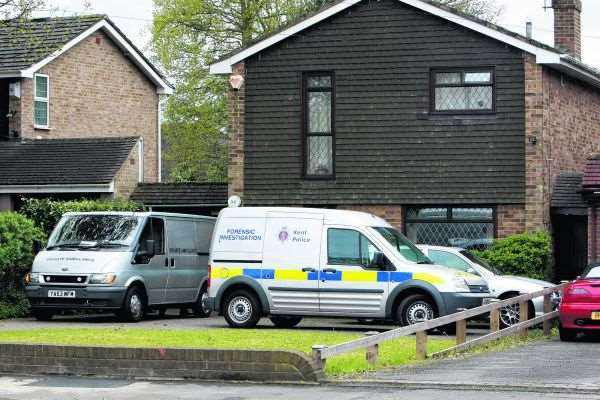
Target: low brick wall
{"points": [[238, 365]]}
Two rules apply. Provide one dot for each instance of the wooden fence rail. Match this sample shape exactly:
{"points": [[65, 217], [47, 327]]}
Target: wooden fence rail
{"points": [[372, 340]]}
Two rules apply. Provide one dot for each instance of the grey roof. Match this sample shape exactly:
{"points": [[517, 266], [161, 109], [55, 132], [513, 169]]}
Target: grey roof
{"points": [[63, 161], [181, 194], [567, 192], [26, 42]]}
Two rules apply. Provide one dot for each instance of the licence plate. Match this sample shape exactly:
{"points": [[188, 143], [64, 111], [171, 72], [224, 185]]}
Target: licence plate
{"points": [[596, 315], [69, 294]]}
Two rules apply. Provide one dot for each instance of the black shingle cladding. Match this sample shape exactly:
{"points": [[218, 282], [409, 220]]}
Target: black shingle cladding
{"points": [[24, 43], [172, 194], [63, 161], [389, 148], [566, 193]]}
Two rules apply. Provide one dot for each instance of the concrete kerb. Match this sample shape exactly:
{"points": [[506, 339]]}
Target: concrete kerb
{"points": [[135, 363]]}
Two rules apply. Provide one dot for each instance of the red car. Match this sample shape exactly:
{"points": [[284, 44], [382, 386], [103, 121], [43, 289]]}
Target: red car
{"points": [[580, 305]]}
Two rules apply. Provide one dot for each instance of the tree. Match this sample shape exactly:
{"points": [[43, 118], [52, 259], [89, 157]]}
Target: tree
{"points": [[488, 10], [16, 9], [187, 35]]}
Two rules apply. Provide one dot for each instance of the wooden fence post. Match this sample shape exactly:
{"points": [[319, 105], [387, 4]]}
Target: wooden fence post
{"points": [[547, 309], [316, 355], [372, 355], [421, 345], [461, 331], [494, 320], [523, 316]]}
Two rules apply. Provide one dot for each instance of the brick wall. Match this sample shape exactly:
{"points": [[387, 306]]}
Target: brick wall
{"points": [[511, 220], [391, 213], [96, 91], [236, 128], [237, 365], [567, 26], [127, 178]]}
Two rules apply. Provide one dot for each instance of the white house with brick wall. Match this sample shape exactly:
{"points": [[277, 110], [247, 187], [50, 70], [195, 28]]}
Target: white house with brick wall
{"points": [[65, 82]]}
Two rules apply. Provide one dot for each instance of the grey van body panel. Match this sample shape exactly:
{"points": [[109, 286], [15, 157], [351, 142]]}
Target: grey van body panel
{"points": [[415, 284], [241, 280], [101, 297]]}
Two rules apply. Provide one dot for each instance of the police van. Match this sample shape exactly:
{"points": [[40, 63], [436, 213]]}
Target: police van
{"points": [[289, 263]]}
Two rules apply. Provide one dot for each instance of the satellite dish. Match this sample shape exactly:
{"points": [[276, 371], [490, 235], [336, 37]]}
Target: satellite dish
{"points": [[234, 202]]}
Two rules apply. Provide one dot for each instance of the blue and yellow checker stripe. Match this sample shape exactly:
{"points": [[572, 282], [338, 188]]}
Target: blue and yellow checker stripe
{"points": [[339, 276]]}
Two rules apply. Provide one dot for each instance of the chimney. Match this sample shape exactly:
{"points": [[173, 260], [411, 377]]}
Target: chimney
{"points": [[567, 26]]}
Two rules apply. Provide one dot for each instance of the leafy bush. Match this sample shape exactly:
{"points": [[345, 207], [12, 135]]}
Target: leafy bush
{"points": [[527, 254], [47, 212], [13, 304]]}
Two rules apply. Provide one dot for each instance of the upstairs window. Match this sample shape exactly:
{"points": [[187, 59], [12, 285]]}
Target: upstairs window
{"points": [[318, 125], [41, 105], [463, 91]]}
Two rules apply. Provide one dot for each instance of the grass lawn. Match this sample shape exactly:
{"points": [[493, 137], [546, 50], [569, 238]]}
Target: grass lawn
{"points": [[394, 353]]}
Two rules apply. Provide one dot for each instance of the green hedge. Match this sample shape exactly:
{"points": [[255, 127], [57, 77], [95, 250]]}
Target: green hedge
{"points": [[527, 254], [46, 212]]}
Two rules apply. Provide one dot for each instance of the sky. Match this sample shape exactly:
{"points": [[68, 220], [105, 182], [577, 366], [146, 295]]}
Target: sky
{"points": [[134, 17]]}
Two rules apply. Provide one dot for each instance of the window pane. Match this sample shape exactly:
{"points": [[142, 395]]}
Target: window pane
{"points": [[450, 98], [367, 251], [319, 81], [479, 98], [320, 155], [41, 87], [466, 235], [319, 112], [449, 260], [40, 113], [473, 213], [427, 213], [478, 77], [444, 78], [343, 247]]}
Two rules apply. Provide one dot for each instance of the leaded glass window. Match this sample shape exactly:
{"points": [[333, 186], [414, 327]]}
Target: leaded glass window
{"points": [[466, 227], [318, 125], [463, 90], [41, 108]]}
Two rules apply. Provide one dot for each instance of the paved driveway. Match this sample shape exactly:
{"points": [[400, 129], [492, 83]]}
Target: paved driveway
{"points": [[545, 364]]}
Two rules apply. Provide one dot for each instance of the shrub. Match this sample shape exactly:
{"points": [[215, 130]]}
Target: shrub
{"points": [[527, 254], [13, 304], [47, 212]]}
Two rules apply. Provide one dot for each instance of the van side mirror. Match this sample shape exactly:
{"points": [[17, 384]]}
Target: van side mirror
{"points": [[150, 250], [379, 261], [145, 252], [37, 247]]}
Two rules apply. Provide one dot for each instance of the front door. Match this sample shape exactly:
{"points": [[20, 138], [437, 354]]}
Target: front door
{"points": [[350, 284], [570, 246], [155, 269], [291, 262]]}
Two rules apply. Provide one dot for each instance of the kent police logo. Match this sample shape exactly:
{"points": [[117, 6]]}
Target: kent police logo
{"points": [[283, 235]]}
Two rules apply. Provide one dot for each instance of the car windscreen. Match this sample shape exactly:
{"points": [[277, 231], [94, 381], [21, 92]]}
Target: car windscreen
{"points": [[592, 272], [477, 260], [94, 232], [403, 246]]}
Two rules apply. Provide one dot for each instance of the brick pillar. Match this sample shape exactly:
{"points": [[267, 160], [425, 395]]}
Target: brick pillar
{"points": [[567, 26], [537, 211], [236, 126]]}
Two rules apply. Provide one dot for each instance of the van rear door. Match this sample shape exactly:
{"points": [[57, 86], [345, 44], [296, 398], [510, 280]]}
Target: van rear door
{"points": [[291, 262]]}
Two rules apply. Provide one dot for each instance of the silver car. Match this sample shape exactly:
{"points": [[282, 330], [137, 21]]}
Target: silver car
{"points": [[501, 286]]}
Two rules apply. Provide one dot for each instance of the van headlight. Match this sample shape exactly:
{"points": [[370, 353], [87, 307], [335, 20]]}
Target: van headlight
{"points": [[105, 279], [460, 284], [32, 278]]}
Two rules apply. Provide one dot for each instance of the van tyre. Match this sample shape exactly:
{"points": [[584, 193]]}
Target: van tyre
{"points": [[200, 308], [285, 322], [42, 315], [414, 309], [134, 305], [241, 309], [567, 335]]}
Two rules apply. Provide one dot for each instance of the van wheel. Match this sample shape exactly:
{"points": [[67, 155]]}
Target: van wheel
{"points": [[414, 309], [285, 322], [241, 309], [134, 305], [42, 315], [201, 309]]}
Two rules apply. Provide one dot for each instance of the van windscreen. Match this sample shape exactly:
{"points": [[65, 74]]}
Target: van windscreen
{"points": [[94, 231], [403, 246]]}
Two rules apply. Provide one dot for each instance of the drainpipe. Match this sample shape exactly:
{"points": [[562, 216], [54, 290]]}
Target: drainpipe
{"points": [[594, 233]]}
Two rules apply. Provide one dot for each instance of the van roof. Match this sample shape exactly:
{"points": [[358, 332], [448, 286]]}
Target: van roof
{"points": [[337, 217], [142, 214]]}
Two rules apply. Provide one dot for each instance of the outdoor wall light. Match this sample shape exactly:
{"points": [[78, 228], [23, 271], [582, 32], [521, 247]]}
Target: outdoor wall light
{"points": [[532, 140], [236, 81]]}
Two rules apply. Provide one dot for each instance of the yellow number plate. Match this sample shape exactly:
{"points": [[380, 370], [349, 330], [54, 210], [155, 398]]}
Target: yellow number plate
{"points": [[596, 315]]}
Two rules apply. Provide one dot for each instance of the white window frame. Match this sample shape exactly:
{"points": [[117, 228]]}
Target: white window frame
{"points": [[41, 99]]}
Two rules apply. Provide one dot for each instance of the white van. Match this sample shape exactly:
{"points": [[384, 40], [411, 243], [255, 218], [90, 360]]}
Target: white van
{"points": [[122, 262], [287, 263]]}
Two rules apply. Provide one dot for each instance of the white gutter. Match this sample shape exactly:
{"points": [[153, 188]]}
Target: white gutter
{"points": [[65, 188]]}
